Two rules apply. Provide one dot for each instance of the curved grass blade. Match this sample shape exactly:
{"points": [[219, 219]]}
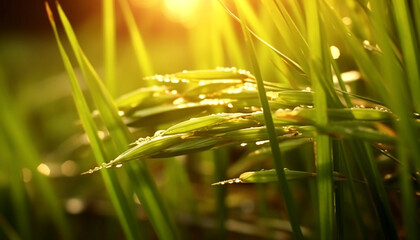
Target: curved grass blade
{"points": [[8, 230], [163, 145], [291, 35], [213, 122], [356, 130], [292, 97], [219, 73], [108, 17], [139, 49], [284, 187], [339, 114], [142, 182], [263, 153], [137, 97], [283, 56], [319, 69], [161, 114], [268, 176], [115, 191]]}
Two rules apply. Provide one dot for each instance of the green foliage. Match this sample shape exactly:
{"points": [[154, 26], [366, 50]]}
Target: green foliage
{"points": [[332, 156]]}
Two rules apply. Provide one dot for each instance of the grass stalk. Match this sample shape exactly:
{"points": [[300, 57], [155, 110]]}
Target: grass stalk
{"points": [[341, 82], [230, 40], [367, 162], [279, 166], [408, 139], [344, 167], [109, 44], [322, 142], [20, 140], [8, 230], [137, 172], [410, 49], [409, 206], [221, 160], [140, 51], [18, 191], [120, 203]]}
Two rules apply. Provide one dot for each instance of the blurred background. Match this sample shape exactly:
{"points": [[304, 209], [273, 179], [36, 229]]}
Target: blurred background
{"points": [[40, 128]]}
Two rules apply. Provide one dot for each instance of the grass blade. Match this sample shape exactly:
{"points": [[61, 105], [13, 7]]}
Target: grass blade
{"points": [[267, 176], [283, 56], [136, 39], [138, 173], [26, 152], [322, 142], [124, 213], [344, 166], [284, 187], [109, 44], [221, 161]]}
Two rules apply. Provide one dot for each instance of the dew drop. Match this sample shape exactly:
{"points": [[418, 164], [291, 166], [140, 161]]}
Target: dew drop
{"points": [[159, 133], [118, 165], [347, 21]]}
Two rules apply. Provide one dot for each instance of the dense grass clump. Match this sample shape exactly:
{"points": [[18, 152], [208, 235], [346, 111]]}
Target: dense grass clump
{"points": [[317, 139]]}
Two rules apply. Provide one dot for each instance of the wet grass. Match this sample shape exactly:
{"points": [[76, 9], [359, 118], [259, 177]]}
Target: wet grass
{"points": [[331, 156]]}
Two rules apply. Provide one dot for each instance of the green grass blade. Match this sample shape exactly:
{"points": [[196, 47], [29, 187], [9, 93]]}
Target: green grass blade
{"points": [[287, 28], [221, 161], [18, 193], [409, 205], [410, 49], [215, 35], [27, 155], [344, 166], [400, 103], [108, 16], [341, 82], [284, 187], [8, 230], [255, 157], [138, 173], [14, 165], [136, 39], [121, 206], [339, 114], [377, 190], [364, 62], [230, 40], [267, 176], [322, 142], [283, 56]]}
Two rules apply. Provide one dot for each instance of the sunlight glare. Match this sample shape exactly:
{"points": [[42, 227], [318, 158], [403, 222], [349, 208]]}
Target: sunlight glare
{"points": [[145, 3], [335, 52], [182, 11]]}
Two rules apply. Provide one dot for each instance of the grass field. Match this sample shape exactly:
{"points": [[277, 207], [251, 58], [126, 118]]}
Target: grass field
{"points": [[213, 119]]}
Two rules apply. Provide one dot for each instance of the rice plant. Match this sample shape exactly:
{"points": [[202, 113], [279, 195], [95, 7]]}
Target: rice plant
{"points": [[297, 120]]}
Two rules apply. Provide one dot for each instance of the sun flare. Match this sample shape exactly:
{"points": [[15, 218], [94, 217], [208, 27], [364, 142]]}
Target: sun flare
{"points": [[183, 11]]}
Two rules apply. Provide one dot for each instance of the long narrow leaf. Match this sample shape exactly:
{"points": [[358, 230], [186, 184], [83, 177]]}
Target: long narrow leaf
{"points": [[284, 187], [116, 194]]}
